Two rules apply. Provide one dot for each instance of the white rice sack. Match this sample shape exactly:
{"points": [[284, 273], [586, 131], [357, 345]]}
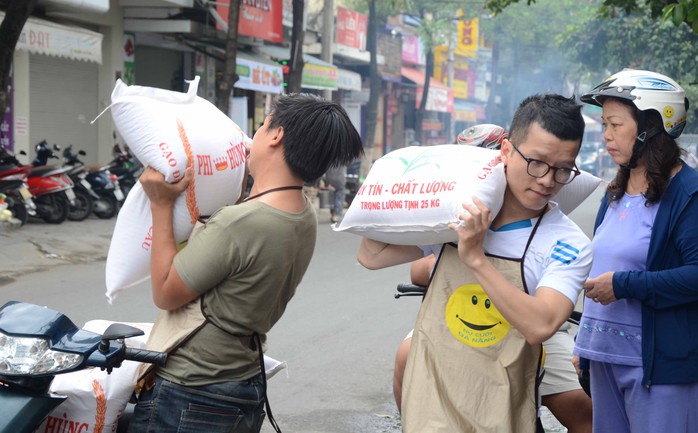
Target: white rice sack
{"points": [[168, 130], [574, 193], [411, 194], [96, 399], [128, 259]]}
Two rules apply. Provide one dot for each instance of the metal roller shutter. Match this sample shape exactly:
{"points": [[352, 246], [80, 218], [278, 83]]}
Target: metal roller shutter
{"points": [[63, 101]]}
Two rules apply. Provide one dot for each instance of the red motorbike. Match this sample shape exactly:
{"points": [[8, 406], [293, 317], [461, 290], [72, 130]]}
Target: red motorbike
{"points": [[18, 198], [51, 187]]}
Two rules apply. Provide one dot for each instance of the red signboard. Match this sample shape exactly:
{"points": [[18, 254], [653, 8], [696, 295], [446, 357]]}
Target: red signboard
{"points": [[351, 29], [258, 18]]}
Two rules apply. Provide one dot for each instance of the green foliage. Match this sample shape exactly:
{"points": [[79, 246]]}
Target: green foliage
{"points": [[602, 46], [675, 11], [498, 6], [598, 38]]}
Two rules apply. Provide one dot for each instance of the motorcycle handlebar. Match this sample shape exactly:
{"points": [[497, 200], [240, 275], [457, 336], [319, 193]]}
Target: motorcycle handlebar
{"points": [[144, 355], [409, 288]]}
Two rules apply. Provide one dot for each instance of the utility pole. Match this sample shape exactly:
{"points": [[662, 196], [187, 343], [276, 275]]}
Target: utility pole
{"points": [[449, 82], [327, 38]]}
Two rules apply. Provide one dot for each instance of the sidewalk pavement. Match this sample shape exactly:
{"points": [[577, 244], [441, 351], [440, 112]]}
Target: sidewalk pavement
{"points": [[38, 246]]}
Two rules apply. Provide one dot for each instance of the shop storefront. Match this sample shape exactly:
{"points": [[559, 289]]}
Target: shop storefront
{"points": [[56, 79], [439, 105]]}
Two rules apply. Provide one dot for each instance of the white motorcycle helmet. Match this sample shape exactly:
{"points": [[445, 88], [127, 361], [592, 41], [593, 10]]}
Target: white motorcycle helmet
{"points": [[485, 135], [647, 91]]}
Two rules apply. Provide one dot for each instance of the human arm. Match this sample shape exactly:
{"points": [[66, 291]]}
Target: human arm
{"points": [[537, 317], [375, 254], [420, 270], [169, 291]]}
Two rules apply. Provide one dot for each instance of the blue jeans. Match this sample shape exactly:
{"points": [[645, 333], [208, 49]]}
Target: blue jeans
{"points": [[222, 407]]}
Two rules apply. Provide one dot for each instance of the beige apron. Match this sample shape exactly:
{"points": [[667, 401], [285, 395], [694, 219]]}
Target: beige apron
{"points": [[174, 328], [468, 370]]}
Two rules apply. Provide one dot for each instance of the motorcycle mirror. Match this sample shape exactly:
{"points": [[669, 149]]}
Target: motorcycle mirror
{"points": [[82, 152], [117, 331], [21, 152], [56, 147]]}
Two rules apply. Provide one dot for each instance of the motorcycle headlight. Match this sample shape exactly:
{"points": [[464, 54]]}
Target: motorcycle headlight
{"points": [[33, 356]]}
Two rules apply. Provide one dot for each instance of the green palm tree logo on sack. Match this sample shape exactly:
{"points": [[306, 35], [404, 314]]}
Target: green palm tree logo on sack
{"points": [[423, 159]]}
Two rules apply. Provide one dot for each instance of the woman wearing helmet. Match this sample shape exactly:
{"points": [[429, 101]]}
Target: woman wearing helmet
{"points": [[487, 135], [640, 325]]}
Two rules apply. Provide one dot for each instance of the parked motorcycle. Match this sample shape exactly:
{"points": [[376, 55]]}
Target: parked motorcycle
{"points": [[104, 184], [51, 188], [36, 344], [81, 207], [126, 167], [17, 196]]}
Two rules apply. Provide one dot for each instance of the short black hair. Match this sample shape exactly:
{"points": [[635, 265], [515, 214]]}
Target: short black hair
{"points": [[318, 134], [557, 114]]}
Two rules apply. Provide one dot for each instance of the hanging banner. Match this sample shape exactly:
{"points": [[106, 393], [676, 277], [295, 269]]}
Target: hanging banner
{"points": [[412, 50], [260, 77], [129, 47], [6, 137], [258, 18], [319, 77], [348, 80], [467, 37], [351, 29]]}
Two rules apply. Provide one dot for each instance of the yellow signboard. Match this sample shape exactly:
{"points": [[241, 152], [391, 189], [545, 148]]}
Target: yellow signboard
{"points": [[467, 37], [460, 71]]}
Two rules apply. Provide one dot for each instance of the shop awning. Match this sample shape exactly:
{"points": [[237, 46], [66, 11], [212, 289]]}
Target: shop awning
{"points": [[348, 80], [317, 74], [255, 72], [440, 96], [45, 37]]}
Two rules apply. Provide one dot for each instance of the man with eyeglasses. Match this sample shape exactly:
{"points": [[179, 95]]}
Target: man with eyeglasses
{"points": [[508, 285]]}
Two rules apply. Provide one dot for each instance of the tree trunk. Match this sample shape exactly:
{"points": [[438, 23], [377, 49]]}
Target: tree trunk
{"points": [[419, 115], [230, 76], [375, 91], [16, 15], [297, 35]]}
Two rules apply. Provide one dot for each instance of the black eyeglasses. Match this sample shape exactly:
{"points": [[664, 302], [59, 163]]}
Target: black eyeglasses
{"points": [[538, 169]]}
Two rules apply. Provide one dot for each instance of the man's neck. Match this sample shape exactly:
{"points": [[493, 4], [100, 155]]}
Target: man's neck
{"points": [[512, 211]]}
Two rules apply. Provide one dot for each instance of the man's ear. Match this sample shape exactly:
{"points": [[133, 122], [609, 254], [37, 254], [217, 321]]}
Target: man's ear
{"points": [[505, 152], [277, 136]]}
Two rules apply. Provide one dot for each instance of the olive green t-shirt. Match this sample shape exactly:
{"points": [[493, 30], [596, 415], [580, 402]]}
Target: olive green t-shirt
{"points": [[246, 263]]}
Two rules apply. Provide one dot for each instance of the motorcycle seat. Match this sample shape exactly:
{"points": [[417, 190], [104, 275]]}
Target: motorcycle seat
{"points": [[48, 170], [97, 168]]}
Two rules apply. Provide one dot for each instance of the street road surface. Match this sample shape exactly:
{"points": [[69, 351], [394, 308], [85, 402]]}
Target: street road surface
{"points": [[338, 335]]}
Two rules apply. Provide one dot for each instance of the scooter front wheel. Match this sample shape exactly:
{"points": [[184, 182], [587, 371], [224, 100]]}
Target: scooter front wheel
{"points": [[106, 207], [83, 206], [53, 208]]}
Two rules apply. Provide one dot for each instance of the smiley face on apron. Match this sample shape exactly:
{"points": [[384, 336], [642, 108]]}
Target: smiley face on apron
{"points": [[473, 319]]}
